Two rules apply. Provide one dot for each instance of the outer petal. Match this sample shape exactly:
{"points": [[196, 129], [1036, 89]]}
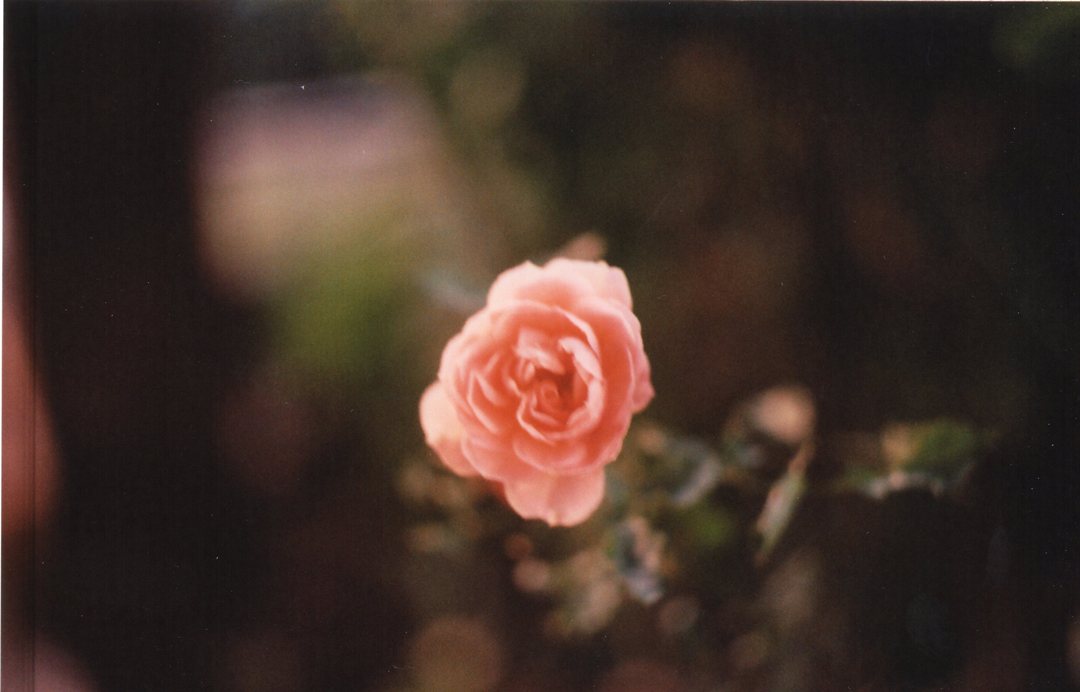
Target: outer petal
{"points": [[509, 284], [492, 459], [442, 429], [619, 335], [561, 282], [528, 282], [619, 327], [643, 389], [608, 282], [473, 342], [558, 500]]}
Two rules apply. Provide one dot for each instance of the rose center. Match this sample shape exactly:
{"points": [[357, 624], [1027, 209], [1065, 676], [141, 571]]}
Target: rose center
{"points": [[558, 390], [548, 378]]}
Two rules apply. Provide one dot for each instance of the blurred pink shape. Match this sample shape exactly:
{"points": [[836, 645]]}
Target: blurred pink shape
{"points": [[292, 171], [29, 463], [41, 668], [30, 484], [642, 675], [456, 654]]}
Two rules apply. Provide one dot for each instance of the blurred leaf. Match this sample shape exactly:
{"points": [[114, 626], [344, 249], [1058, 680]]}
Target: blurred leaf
{"points": [[857, 478], [701, 472], [711, 527], [1042, 41], [933, 455], [780, 506], [331, 323], [636, 550], [940, 449], [682, 468]]}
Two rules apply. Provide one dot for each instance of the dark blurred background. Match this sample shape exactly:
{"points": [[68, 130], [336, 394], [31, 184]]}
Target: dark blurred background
{"points": [[879, 202]]}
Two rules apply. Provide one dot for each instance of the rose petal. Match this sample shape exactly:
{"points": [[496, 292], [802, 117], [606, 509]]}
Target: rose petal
{"points": [[584, 356], [609, 282], [625, 365], [549, 457], [538, 348], [534, 421], [472, 345], [529, 282], [443, 430], [484, 405], [561, 282], [560, 500], [590, 413], [617, 363], [492, 460], [643, 389], [586, 330], [561, 277]]}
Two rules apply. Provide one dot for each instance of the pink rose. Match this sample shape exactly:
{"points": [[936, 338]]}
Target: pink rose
{"points": [[537, 390]]}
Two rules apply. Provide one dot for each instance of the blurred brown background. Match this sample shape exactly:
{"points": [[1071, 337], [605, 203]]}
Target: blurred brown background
{"points": [[881, 203]]}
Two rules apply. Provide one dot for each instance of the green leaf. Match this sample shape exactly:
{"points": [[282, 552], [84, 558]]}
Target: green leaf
{"points": [[940, 449]]}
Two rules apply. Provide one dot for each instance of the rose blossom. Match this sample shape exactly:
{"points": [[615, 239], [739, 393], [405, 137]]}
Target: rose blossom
{"points": [[537, 390]]}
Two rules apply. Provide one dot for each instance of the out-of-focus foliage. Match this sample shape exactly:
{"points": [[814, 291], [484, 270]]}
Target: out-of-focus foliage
{"points": [[332, 320], [1042, 41], [677, 505]]}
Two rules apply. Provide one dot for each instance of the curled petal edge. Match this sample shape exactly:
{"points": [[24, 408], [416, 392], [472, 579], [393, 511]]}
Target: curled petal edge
{"points": [[559, 500], [443, 430], [562, 281]]}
